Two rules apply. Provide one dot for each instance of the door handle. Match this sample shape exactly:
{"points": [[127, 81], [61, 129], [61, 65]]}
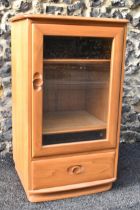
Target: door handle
{"points": [[37, 81]]}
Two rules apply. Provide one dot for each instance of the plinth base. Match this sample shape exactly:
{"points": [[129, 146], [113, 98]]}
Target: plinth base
{"points": [[68, 194]]}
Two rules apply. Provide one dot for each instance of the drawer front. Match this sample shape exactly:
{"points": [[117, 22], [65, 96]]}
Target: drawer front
{"points": [[72, 170]]}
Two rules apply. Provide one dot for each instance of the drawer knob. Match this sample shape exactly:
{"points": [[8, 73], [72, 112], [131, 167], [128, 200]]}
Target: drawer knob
{"points": [[37, 81], [77, 169]]}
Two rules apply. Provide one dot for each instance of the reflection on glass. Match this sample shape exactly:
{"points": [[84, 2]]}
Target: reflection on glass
{"points": [[76, 47]]}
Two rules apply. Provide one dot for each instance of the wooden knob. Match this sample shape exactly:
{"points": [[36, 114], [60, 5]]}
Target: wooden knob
{"points": [[37, 81], [77, 169]]}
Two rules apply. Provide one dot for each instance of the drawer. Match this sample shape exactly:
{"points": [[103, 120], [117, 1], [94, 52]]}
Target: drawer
{"points": [[77, 169]]}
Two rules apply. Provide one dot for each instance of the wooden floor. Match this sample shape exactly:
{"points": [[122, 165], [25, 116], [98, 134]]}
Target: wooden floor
{"points": [[70, 121]]}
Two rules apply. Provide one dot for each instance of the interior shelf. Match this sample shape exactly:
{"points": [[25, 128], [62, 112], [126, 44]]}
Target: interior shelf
{"points": [[78, 61], [71, 121]]}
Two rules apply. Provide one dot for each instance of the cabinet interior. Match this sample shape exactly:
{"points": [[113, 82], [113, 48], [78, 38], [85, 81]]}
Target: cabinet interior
{"points": [[76, 75]]}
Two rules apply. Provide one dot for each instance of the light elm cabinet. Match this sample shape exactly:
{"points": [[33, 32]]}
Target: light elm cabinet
{"points": [[67, 75]]}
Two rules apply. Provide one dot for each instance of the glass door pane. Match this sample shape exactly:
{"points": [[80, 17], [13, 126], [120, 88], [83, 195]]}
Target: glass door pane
{"points": [[76, 73]]}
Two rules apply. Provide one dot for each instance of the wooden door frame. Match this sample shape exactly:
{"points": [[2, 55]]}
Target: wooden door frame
{"points": [[116, 33]]}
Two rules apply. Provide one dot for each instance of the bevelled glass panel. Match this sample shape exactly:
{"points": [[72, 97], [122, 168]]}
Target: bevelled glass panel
{"points": [[76, 76]]}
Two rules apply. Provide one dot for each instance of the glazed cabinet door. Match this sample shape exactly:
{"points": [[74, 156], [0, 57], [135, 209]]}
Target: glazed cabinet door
{"points": [[76, 79]]}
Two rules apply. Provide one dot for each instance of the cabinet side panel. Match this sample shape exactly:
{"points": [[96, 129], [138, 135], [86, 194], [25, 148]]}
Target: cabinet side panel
{"points": [[120, 98], [20, 99]]}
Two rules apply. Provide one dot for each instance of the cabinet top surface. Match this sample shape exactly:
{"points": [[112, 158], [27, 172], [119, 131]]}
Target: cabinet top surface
{"points": [[41, 17]]}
